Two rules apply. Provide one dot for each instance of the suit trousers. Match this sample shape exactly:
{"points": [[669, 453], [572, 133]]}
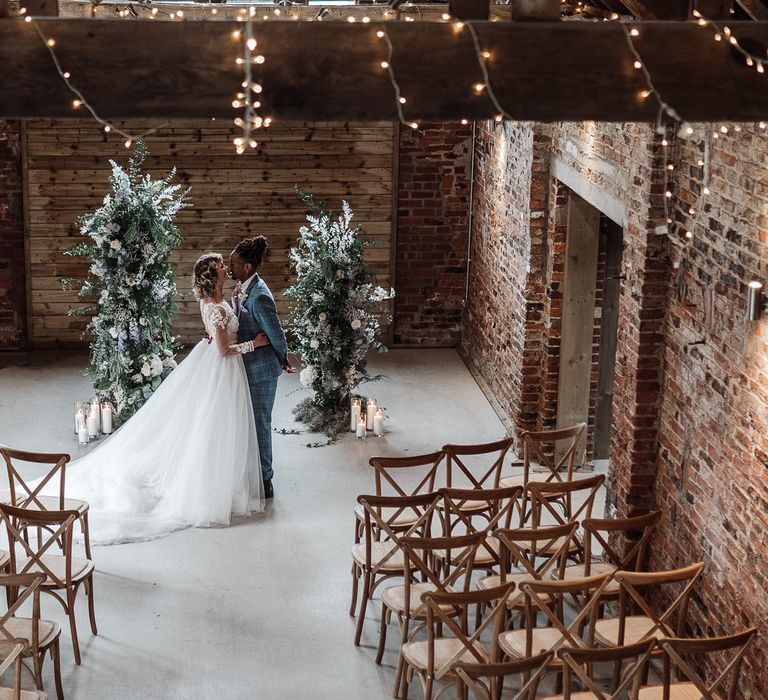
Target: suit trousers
{"points": [[263, 398]]}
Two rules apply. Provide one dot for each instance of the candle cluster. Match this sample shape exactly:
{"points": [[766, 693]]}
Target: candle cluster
{"points": [[91, 418], [360, 422]]}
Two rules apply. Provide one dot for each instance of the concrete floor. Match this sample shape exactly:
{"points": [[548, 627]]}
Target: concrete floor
{"points": [[259, 609]]}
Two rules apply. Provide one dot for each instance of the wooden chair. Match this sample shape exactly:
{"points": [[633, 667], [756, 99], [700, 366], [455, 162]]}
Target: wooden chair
{"points": [[530, 554], [600, 535], [13, 658], [472, 675], [694, 686], [435, 658], [629, 628], [379, 556], [540, 447], [549, 598], [62, 572], [20, 495], [543, 494], [578, 662], [406, 600], [390, 476], [37, 637], [479, 510]]}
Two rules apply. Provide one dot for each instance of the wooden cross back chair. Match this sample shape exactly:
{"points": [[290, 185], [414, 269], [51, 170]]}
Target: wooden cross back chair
{"points": [[379, 556], [401, 476], [578, 662], [21, 495], [436, 657], [677, 649], [35, 636], [602, 534], [548, 598], [461, 471], [406, 600], [531, 554], [637, 620], [474, 510], [540, 448], [485, 680], [13, 658], [61, 572]]}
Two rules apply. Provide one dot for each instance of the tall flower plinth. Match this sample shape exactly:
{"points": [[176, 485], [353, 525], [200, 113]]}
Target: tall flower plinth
{"points": [[132, 284], [336, 317]]}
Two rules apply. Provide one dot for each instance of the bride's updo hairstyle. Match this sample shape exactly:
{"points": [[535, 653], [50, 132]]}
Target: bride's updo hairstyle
{"points": [[206, 275], [252, 250]]}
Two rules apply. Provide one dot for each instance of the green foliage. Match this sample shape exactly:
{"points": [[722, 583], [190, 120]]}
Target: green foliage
{"points": [[131, 236]]}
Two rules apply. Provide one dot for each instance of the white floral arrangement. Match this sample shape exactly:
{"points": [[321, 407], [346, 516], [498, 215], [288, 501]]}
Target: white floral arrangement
{"points": [[132, 284], [337, 317]]}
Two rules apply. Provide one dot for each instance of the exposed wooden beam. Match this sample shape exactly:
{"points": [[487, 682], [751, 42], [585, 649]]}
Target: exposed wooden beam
{"points": [[469, 9], [755, 9], [540, 71]]}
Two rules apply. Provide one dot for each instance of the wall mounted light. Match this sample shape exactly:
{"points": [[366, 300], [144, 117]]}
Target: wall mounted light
{"points": [[756, 301]]}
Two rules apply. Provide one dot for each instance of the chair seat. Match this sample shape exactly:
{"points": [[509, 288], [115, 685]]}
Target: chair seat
{"points": [[20, 628], [404, 520], [636, 628], [9, 694], [517, 598], [483, 557], [379, 550], [417, 653], [596, 567], [394, 598], [81, 568], [470, 506], [677, 691], [511, 480], [545, 549], [543, 639], [48, 502]]}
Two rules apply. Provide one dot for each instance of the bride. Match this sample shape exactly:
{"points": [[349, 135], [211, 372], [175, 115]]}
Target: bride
{"points": [[189, 457]]}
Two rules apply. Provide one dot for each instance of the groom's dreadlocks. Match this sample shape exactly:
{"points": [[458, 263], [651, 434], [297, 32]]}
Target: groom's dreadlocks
{"points": [[252, 250]]}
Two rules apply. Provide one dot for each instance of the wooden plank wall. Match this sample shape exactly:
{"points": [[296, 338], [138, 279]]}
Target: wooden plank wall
{"points": [[67, 165]]}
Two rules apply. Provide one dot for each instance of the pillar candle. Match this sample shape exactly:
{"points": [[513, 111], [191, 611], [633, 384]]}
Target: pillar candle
{"points": [[106, 418], [360, 430], [378, 422], [354, 414], [370, 412], [96, 407], [93, 423], [78, 408], [82, 432]]}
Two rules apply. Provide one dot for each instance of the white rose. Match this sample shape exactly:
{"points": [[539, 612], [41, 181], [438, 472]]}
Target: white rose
{"points": [[314, 344], [137, 378], [142, 321], [104, 295], [307, 376], [113, 332], [339, 274], [356, 323], [323, 316], [145, 370], [115, 245], [157, 366]]}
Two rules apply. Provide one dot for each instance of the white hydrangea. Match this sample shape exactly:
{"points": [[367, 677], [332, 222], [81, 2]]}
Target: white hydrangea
{"points": [[137, 378], [356, 323], [156, 366], [146, 370], [307, 376], [115, 245], [314, 344], [114, 332]]}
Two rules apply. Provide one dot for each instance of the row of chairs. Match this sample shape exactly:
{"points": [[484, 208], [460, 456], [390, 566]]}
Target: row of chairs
{"points": [[41, 558]]}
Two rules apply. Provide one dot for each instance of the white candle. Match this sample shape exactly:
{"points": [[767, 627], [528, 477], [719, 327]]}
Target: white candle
{"points": [[370, 412], [96, 407], [93, 423], [360, 431], [78, 409], [106, 418], [82, 432], [378, 422], [354, 414]]}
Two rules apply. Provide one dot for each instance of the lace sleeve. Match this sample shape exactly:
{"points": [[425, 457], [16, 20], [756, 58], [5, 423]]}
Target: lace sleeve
{"points": [[217, 317]]}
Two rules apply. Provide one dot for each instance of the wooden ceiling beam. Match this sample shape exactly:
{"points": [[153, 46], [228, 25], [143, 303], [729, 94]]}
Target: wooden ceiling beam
{"points": [[540, 71]]}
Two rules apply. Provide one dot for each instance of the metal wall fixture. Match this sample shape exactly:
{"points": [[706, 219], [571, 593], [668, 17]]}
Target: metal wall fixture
{"points": [[756, 301]]}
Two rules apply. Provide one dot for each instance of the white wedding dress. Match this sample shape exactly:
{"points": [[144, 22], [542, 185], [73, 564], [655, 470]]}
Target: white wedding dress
{"points": [[188, 457]]}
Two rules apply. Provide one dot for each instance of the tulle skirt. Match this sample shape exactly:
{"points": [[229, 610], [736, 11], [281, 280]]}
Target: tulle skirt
{"points": [[188, 458]]}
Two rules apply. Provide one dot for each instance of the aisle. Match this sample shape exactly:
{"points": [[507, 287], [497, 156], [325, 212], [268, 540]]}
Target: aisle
{"points": [[257, 610]]}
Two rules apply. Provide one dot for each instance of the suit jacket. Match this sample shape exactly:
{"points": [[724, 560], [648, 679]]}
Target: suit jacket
{"points": [[258, 314]]}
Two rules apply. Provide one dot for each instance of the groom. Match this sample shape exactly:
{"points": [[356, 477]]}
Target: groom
{"points": [[255, 308]]}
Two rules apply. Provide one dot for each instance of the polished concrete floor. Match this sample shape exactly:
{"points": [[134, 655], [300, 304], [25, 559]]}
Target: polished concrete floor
{"points": [[259, 609]]}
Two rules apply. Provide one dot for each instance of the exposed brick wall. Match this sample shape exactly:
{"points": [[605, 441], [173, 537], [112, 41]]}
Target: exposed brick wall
{"points": [[13, 330], [712, 485], [432, 221]]}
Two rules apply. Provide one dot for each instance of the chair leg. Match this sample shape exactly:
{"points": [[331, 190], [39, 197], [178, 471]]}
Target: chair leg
{"points": [[355, 586], [363, 606], [404, 681], [91, 609], [56, 659], [405, 628], [86, 535], [428, 688], [71, 593], [382, 632], [37, 663]]}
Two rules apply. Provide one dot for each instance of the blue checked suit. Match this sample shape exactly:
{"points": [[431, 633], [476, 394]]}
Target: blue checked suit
{"points": [[263, 366]]}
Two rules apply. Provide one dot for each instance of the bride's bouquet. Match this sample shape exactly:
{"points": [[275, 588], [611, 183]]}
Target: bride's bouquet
{"points": [[133, 285], [337, 316]]}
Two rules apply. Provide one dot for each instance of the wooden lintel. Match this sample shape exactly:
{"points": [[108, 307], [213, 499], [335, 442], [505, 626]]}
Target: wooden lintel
{"points": [[540, 71], [755, 9]]}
